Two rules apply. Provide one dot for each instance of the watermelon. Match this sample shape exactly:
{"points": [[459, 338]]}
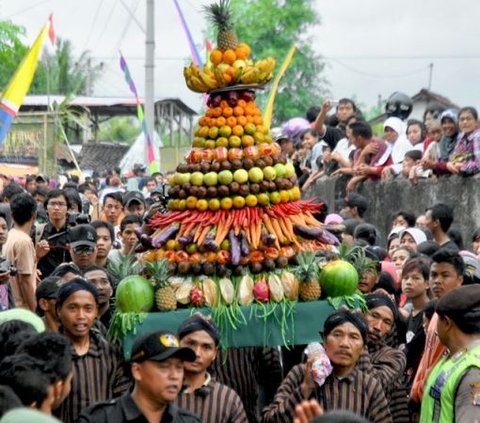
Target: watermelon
{"points": [[338, 278], [134, 295]]}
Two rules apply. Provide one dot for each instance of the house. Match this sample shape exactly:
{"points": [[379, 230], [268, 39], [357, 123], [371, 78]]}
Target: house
{"points": [[421, 101]]}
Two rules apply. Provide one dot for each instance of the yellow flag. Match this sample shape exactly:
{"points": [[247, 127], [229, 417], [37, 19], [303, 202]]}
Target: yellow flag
{"points": [[267, 118]]}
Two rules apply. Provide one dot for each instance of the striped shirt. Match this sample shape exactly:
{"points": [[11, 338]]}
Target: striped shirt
{"points": [[358, 393], [244, 369], [98, 375], [213, 403]]}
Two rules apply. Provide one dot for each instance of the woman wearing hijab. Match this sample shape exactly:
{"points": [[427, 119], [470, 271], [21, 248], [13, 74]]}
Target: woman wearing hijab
{"points": [[395, 135]]}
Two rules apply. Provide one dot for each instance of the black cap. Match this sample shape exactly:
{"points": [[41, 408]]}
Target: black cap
{"points": [[159, 346], [459, 301], [356, 200], [41, 177], [83, 235], [47, 288], [132, 196]]}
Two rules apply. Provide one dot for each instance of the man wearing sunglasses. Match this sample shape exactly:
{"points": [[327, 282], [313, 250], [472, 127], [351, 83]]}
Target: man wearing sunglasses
{"points": [[83, 245]]}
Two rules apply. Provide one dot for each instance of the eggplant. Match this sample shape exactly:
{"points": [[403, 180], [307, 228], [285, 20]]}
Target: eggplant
{"points": [[268, 238], [234, 248], [170, 232], [244, 248], [316, 233], [146, 242], [185, 240]]}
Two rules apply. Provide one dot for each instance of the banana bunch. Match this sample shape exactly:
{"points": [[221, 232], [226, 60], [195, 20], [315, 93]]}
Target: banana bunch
{"points": [[265, 67], [250, 75], [200, 81]]}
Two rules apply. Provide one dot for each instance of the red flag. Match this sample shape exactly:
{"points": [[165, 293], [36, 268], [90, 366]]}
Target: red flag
{"points": [[51, 30], [209, 45]]}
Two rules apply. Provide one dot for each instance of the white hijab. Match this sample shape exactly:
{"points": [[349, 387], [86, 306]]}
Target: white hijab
{"points": [[402, 144]]}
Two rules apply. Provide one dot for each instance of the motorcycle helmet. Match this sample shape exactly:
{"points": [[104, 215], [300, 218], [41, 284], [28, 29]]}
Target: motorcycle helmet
{"points": [[399, 105]]}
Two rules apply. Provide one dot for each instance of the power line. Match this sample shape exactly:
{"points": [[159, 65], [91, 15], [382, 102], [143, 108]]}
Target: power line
{"points": [[376, 76], [97, 12], [110, 14], [125, 29], [26, 9]]}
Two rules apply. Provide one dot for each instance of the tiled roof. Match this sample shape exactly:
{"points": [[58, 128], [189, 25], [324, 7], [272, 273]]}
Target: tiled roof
{"points": [[102, 156]]}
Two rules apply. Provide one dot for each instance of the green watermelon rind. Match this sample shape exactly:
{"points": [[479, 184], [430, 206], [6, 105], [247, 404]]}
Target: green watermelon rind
{"points": [[338, 278], [135, 295]]}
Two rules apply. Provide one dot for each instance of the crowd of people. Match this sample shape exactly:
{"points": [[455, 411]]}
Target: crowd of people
{"points": [[447, 141], [413, 353]]}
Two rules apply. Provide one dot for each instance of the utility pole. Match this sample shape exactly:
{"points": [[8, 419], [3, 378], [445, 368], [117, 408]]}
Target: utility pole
{"points": [[430, 76], [149, 73]]}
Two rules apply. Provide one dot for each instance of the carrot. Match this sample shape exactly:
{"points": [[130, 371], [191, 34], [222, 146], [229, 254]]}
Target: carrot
{"points": [[288, 228], [311, 220], [188, 229], [204, 233], [270, 228], [278, 229], [236, 229], [258, 233]]}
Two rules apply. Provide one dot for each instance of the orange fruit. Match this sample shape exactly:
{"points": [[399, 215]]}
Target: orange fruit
{"points": [[249, 110], [237, 130], [221, 121], [247, 141], [226, 203], [238, 111], [261, 128], [250, 128], [229, 56], [216, 57], [213, 132], [257, 120], [225, 130], [202, 132], [231, 121], [231, 71], [224, 104], [227, 111], [227, 78], [259, 137], [241, 52], [222, 141], [250, 119], [217, 111], [241, 120], [241, 103], [245, 48], [203, 121], [238, 202], [257, 112]]}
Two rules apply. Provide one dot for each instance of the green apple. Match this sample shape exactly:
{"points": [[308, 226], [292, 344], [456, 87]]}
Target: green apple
{"points": [[275, 197], [240, 176], [269, 173], [280, 170], [289, 170], [255, 175], [196, 178], [210, 179], [263, 199], [225, 177], [181, 178]]}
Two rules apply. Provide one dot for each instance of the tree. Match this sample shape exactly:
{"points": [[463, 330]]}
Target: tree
{"points": [[270, 27], [120, 128], [12, 50], [65, 74]]}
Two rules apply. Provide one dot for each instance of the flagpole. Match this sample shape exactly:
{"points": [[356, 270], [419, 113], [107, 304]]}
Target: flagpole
{"points": [[149, 75]]}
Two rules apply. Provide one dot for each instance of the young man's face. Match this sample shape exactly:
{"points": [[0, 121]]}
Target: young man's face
{"points": [[343, 345], [345, 111], [40, 199], [414, 284], [3, 231], [160, 380], [78, 313], [100, 279], [128, 236], [135, 208], [83, 255], [407, 165], [113, 209], [379, 321], [204, 347], [368, 281], [429, 222], [104, 243], [57, 208], [443, 278], [31, 186], [151, 185]]}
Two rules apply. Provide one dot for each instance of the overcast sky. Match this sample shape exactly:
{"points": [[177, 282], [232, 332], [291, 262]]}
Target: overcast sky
{"points": [[371, 47]]}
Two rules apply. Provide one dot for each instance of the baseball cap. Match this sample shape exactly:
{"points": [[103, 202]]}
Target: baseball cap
{"points": [[42, 177], [159, 346], [356, 200], [131, 196], [47, 288], [83, 235]]}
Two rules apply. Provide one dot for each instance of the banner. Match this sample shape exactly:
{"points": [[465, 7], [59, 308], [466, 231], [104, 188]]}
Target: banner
{"points": [[20, 83], [153, 165], [267, 118]]}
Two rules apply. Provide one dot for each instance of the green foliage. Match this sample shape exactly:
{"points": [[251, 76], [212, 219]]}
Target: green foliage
{"points": [[120, 128], [12, 50], [66, 74], [270, 27]]}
